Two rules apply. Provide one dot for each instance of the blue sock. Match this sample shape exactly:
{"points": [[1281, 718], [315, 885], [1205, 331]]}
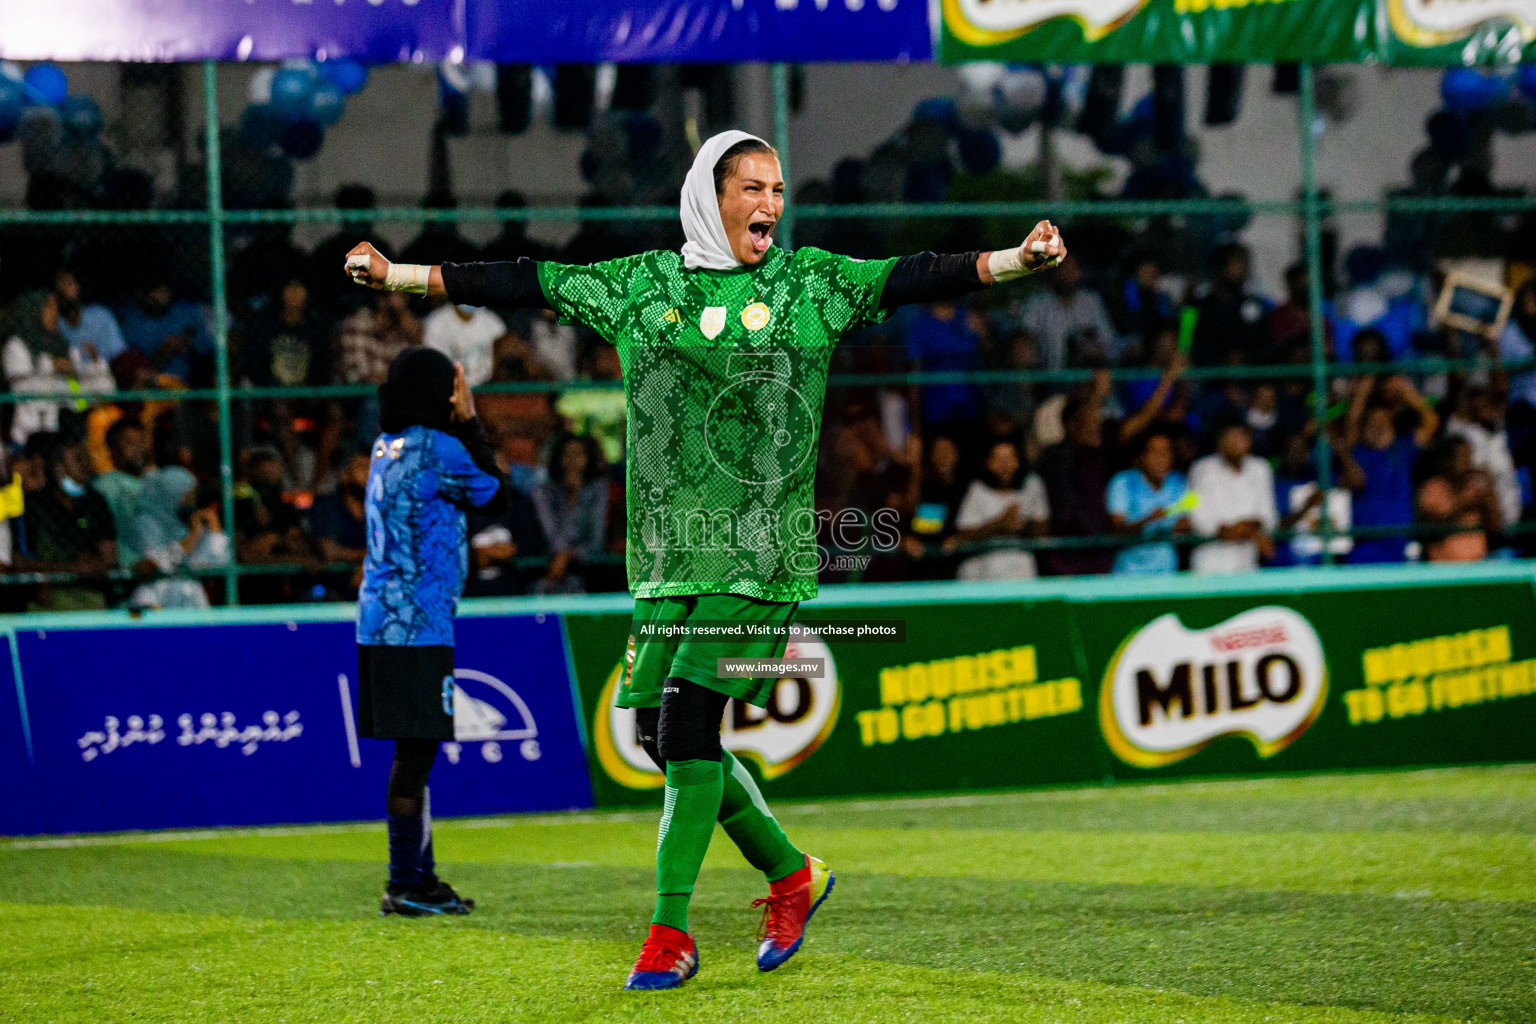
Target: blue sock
{"points": [[428, 861], [405, 850]]}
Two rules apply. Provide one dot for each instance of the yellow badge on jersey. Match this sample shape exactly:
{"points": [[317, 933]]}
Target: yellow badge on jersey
{"points": [[712, 321], [673, 316], [755, 317]]}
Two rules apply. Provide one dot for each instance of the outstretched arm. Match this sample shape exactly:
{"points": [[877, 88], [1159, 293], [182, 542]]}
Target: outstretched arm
{"points": [[926, 277], [514, 284]]}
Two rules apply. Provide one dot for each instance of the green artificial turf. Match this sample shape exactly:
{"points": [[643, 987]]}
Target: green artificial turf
{"points": [[1392, 895]]}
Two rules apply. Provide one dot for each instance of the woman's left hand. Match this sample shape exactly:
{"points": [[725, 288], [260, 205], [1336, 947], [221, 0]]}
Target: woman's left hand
{"points": [[1043, 249]]}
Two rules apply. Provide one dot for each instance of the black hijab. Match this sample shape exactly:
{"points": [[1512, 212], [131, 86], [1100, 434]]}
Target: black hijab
{"points": [[417, 392]]}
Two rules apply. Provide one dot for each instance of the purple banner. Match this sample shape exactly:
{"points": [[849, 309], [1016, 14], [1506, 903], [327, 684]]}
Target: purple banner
{"points": [[700, 30], [506, 31], [376, 31]]}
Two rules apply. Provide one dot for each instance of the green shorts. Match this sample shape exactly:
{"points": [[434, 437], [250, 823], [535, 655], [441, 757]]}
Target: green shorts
{"points": [[649, 662]]}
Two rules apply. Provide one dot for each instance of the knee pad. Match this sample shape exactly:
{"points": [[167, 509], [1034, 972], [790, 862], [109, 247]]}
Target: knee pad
{"points": [[688, 727]]}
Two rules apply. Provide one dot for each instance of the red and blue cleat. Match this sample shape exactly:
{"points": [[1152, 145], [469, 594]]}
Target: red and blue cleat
{"points": [[787, 910], [667, 959]]}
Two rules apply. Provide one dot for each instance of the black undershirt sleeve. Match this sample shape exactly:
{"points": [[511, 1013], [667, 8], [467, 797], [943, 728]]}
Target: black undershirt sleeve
{"points": [[928, 277], [513, 284], [472, 436]]}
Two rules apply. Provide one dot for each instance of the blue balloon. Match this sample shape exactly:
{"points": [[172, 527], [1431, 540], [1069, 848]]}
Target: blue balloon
{"points": [[301, 139], [327, 104], [261, 126], [347, 75], [1526, 80], [1467, 89], [11, 102], [928, 182], [47, 85], [81, 117], [980, 151], [292, 90], [937, 108], [1363, 265]]}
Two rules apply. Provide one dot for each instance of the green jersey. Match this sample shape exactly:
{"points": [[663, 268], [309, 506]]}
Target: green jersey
{"points": [[725, 374]]}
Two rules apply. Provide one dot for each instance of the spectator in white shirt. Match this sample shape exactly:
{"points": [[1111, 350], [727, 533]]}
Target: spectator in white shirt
{"points": [[1236, 492], [1069, 322], [554, 344], [465, 334], [39, 360], [998, 506], [1479, 418]]}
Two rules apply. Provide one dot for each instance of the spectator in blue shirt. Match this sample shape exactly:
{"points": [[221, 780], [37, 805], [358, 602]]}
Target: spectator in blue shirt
{"points": [[340, 527], [1378, 463], [939, 339], [1142, 308], [1148, 501], [172, 334], [90, 329]]}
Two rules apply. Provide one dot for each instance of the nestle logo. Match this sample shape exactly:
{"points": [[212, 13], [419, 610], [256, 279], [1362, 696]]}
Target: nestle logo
{"points": [[1257, 636]]}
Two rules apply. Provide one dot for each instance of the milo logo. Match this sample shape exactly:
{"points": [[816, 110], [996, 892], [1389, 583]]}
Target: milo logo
{"points": [[988, 22], [799, 717], [1170, 690]]}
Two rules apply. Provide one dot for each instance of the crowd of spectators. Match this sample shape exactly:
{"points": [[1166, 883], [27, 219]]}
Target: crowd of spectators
{"points": [[1187, 436], [1143, 439]]}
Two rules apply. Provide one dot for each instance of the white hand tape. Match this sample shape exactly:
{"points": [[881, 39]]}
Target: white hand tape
{"points": [[1039, 247], [408, 277], [357, 267], [1006, 264]]}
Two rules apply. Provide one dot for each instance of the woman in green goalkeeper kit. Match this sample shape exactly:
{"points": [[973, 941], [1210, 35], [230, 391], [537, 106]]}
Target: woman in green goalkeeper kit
{"points": [[725, 348]]}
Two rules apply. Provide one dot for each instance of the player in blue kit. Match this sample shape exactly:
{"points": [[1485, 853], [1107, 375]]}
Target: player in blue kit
{"points": [[429, 465]]}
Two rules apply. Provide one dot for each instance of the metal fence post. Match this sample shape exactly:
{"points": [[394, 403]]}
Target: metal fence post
{"points": [[220, 316], [1322, 450], [786, 232]]}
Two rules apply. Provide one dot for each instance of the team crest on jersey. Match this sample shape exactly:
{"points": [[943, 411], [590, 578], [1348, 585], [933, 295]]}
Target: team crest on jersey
{"points": [[755, 317], [712, 321]]}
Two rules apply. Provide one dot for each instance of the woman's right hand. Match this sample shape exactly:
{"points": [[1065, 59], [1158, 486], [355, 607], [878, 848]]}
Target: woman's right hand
{"points": [[463, 399], [367, 266]]}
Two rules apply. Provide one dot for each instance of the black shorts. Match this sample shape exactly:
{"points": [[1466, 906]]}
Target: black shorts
{"points": [[405, 693]]}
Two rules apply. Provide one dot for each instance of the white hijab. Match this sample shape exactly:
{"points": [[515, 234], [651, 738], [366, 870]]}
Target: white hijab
{"points": [[707, 247]]}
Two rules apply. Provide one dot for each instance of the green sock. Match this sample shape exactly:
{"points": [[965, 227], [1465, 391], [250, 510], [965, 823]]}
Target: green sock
{"points": [[745, 816], [687, 823]]}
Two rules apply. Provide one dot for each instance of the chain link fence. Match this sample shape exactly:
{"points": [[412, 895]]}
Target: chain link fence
{"points": [[192, 381]]}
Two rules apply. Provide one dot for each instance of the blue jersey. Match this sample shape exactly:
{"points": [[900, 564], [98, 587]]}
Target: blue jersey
{"points": [[1132, 497], [419, 484]]}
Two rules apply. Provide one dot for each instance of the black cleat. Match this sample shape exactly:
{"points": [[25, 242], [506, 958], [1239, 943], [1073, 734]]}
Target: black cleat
{"points": [[423, 902], [442, 891]]}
